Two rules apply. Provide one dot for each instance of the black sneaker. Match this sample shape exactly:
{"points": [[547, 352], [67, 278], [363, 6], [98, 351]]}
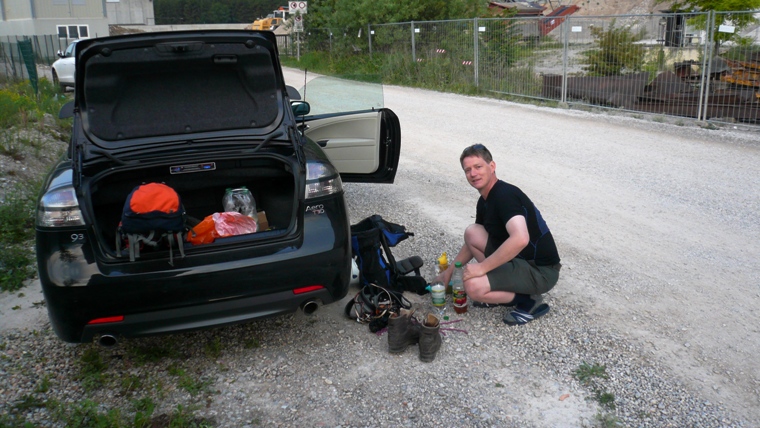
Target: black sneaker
{"points": [[539, 299], [489, 305], [521, 317]]}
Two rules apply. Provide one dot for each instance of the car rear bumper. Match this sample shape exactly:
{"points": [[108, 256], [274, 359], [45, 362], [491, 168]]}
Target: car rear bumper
{"points": [[206, 315], [227, 288]]}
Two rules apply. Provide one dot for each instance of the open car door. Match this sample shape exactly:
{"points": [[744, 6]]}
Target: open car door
{"points": [[347, 119]]}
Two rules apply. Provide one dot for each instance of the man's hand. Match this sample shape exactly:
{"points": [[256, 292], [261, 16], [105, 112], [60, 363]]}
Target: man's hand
{"points": [[473, 270], [444, 277]]}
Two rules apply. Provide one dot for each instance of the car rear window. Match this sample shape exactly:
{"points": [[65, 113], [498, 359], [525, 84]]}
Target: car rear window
{"points": [[155, 91]]}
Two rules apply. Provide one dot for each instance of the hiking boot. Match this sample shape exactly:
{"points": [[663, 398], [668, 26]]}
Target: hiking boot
{"points": [[403, 330], [430, 338]]}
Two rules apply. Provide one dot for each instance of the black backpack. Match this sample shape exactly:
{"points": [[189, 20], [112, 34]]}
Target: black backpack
{"points": [[153, 215], [371, 242]]}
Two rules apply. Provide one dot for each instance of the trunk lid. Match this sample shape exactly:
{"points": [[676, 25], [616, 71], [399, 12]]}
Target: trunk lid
{"points": [[148, 95]]}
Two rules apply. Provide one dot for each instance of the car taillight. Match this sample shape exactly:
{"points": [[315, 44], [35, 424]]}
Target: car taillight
{"points": [[59, 208], [107, 320], [307, 289], [321, 180]]}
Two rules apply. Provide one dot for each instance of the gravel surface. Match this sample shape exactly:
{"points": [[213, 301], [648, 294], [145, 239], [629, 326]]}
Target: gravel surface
{"points": [[656, 226]]}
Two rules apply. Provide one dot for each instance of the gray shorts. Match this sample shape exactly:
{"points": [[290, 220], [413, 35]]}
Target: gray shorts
{"points": [[522, 277]]}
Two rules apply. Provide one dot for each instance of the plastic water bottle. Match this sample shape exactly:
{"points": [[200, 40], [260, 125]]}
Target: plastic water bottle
{"points": [[457, 286], [438, 294]]}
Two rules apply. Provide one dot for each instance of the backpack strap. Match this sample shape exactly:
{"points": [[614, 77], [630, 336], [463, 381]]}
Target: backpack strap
{"points": [[172, 237], [134, 247], [180, 243]]}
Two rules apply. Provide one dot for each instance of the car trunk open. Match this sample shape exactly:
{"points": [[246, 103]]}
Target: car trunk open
{"points": [[270, 179], [137, 92]]}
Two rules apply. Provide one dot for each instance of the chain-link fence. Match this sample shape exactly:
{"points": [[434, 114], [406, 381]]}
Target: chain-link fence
{"points": [[45, 52], [697, 65]]}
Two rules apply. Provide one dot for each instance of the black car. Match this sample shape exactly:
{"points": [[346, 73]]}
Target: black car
{"points": [[203, 112]]}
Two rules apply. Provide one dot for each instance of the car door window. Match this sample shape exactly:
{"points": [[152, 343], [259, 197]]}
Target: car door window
{"points": [[70, 50], [330, 94]]}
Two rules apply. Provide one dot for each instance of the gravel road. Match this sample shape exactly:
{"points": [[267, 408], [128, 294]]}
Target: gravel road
{"points": [[657, 229]]}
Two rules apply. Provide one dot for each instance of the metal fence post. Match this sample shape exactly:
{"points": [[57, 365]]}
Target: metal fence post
{"points": [[369, 38], [414, 53], [706, 60], [565, 46], [475, 50], [705, 90]]}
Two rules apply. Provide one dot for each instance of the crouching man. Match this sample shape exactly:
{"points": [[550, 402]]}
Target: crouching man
{"points": [[516, 258]]}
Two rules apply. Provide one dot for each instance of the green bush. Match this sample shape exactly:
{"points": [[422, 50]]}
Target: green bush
{"points": [[16, 232], [19, 105], [21, 108], [616, 51], [15, 267]]}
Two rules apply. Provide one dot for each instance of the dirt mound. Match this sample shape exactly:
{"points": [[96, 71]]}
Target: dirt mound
{"points": [[614, 7], [117, 30]]}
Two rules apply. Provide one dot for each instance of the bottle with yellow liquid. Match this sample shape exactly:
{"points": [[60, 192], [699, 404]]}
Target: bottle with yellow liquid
{"points": [[442, 263]]}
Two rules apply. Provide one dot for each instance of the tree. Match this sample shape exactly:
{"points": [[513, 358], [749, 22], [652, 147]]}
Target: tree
{"points": [[219, 13], [500, 43], [358, 13], [616, 51], [729, 12]]}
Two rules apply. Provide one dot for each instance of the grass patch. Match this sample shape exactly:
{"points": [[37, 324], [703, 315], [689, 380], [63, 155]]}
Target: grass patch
{"points": [[16, 234], [29, 402], [213, 348], [87, 413], [586, 372], [606, 399], [92, 370], [183, 417], [21, 109], [131, 383], [153, 353], [251, 343], [15, 266], [44, 385], [143, 408], [607, 420], [189, 383]]}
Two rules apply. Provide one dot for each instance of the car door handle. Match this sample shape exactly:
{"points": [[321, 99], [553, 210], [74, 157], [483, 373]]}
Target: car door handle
{"points": [[322, 143]]}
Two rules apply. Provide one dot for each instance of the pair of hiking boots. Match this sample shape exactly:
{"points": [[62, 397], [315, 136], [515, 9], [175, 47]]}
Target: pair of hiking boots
{"points": [[404, 329]]}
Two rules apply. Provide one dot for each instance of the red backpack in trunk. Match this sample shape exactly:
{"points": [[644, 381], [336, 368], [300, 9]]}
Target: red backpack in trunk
{"points": [[153, 215]]}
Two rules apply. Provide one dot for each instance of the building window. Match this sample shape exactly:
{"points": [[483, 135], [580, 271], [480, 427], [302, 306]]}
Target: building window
{"points": [[61, 2], [112, 1], [78, 2], [73, 31]]}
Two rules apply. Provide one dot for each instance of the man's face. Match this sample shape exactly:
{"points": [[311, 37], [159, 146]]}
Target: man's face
{"points": [[479, 173]]}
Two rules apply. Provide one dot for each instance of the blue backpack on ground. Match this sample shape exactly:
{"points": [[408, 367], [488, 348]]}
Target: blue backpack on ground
{"points": [[371, 242]]}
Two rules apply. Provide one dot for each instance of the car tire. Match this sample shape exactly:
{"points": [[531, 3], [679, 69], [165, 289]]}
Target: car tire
{"points": [[57, 82]]}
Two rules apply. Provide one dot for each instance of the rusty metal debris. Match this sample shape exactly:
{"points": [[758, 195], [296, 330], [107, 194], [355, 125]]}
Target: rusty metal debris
{"points": [[734, 92]]}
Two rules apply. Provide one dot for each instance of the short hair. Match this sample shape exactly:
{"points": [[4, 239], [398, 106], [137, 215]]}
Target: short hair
{"points": [[478, 150]]}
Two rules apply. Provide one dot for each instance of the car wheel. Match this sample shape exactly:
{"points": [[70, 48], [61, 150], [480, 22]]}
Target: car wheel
{"points": [[56, 82]]}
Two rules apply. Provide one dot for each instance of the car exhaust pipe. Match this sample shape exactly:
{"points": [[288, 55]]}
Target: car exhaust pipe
{"points": [[309, 307], [108, 340]]}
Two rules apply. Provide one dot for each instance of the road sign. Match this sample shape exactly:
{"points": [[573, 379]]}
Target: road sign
{"points": [[298, 23], [297, 7]]}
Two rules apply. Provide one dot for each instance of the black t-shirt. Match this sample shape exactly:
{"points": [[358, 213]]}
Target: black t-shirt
{"points": [[504, 202]]}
